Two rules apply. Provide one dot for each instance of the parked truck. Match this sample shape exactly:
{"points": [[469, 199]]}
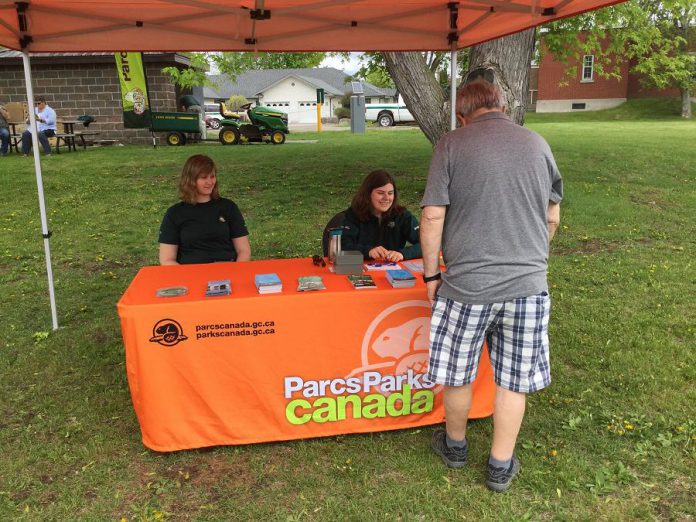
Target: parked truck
{"points": [[388, 114]]}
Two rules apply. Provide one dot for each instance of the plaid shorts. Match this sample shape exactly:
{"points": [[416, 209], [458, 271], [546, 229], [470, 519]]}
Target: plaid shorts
{"points": [[517, 335]]}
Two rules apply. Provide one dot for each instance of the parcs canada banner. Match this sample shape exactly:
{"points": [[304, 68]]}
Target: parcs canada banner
{"points": [[134, 95]]}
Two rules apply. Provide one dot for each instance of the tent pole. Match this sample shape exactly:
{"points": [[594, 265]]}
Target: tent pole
{"points": [[453, 86], [39, 184]]}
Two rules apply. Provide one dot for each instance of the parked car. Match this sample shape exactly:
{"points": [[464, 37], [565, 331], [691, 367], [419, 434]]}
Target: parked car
{"points": [[213, 119], [388, 114]]}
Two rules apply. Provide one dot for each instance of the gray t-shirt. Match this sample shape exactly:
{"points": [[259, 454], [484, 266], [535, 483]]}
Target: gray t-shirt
{"points": [[496, 179]]}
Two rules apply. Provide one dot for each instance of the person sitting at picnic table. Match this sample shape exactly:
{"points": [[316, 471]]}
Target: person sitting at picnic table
{"points": [[203, 227], [375, 223], [46, 127], [4, 131]]}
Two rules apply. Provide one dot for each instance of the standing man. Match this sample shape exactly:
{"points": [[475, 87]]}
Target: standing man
{"points": [[491, 204], [4, 131], [46, 127]]}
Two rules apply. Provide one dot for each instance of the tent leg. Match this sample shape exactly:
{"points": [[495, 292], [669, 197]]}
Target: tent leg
{"points": [[453, 87], [39, 184]]}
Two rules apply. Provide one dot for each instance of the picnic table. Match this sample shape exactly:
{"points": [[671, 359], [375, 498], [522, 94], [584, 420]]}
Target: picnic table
{"points": [[15, 137], [69, 136]]}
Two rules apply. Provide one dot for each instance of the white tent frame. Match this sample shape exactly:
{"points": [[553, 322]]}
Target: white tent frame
{"points": [[45, 232]]}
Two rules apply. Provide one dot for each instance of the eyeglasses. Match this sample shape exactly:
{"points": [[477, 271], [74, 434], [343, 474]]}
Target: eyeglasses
{"points": [[318, 261]]}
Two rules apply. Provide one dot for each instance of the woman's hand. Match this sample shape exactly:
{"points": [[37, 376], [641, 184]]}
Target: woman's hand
{"points": [[394, 256], [379, 252]]}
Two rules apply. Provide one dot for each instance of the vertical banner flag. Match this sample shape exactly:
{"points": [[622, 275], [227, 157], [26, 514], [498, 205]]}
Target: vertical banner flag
{"points": [[134, 96]]}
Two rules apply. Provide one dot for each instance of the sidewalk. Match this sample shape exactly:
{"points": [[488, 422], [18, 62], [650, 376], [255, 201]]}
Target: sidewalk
{"points": [[312, 127]]}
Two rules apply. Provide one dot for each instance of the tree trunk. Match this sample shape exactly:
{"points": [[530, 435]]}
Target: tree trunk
{"points": [[422, 93], [686, 103], [509, 58]]}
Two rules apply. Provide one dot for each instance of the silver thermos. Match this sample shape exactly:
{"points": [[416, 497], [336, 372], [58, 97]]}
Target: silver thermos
{"points": [[334, 243]]}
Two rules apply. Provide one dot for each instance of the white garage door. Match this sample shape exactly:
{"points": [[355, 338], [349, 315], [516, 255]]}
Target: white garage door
{"points": [[305, 112]]}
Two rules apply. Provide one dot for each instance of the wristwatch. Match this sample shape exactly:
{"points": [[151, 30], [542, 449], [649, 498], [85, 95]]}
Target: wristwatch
{"points": [[427, 279]]}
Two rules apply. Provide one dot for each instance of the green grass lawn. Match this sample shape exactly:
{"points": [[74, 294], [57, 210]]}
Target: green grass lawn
{"points": [[613, 438]]}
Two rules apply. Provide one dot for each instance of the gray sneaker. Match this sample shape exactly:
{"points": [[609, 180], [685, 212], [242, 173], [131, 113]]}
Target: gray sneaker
{"points": [[453, 457], [499, 479]]}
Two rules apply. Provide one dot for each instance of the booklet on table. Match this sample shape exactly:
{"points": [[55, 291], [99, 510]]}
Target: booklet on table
{"points": [[360, 282], [308, 283], [221, 287], [401, 278], [268, 283]]}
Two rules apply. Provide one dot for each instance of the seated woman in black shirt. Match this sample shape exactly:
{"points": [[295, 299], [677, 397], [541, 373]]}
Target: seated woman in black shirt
{"points": [[376, 225], [203, 227]]}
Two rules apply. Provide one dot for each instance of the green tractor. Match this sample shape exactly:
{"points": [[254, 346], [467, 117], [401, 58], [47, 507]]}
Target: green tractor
{"points": [[265, 125]]}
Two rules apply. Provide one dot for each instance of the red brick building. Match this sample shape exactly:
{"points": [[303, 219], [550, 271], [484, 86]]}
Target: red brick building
{"points": [[586, 90]]}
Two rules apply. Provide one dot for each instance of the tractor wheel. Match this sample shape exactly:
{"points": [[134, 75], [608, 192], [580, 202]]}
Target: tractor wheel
{"points": [[277, 137], [176, 139], [229, 136], [385, 119]]}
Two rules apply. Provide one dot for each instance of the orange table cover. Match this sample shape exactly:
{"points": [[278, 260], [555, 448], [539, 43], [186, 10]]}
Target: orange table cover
{"points": [[247, 368]]}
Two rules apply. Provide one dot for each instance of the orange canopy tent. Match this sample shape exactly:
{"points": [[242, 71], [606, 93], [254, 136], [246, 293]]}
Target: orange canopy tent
{"points": [[271, 25], [260, 25]]}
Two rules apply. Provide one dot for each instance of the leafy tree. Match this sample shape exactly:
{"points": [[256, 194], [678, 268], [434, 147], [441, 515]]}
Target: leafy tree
{"points": [[233, 64], [374, 67], [418, 80], [192, 75], [653, 36]]}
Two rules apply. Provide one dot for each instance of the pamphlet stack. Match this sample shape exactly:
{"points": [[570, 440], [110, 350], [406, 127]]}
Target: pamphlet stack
{"points": [[401, 278], [268, 283]]}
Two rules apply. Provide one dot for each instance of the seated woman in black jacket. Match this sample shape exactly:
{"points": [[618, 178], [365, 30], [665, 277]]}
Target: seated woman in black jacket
{"points": [[376, 225], [202, 227]]}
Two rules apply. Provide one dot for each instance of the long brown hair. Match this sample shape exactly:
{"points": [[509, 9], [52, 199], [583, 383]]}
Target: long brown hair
{"points": [[196, 166], [361, 203]]}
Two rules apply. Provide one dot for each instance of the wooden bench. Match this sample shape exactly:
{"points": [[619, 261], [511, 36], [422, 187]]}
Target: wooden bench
{"points": [[67, 139], [82, 134]]}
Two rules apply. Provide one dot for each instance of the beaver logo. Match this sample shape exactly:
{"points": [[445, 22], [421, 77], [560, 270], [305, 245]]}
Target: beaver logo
{"points": [[167, 332], [397, 340]]}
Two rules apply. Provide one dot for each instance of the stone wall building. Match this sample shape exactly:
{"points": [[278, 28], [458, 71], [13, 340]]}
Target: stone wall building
{"points": [[88, 83]]}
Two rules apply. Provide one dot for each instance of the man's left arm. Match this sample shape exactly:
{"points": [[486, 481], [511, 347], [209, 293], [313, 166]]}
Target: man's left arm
{"points": [[431, 228], [553, 218]]}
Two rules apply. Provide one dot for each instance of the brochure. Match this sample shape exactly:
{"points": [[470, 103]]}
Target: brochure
{"points": [[221, 287], [374, 266], [268, 283], [360, 282], [414, 265], [306, 283], [172, 291]]}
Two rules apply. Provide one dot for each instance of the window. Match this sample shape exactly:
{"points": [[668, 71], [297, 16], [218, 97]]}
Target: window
{"points": [[588, 68], [368, 100]]}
